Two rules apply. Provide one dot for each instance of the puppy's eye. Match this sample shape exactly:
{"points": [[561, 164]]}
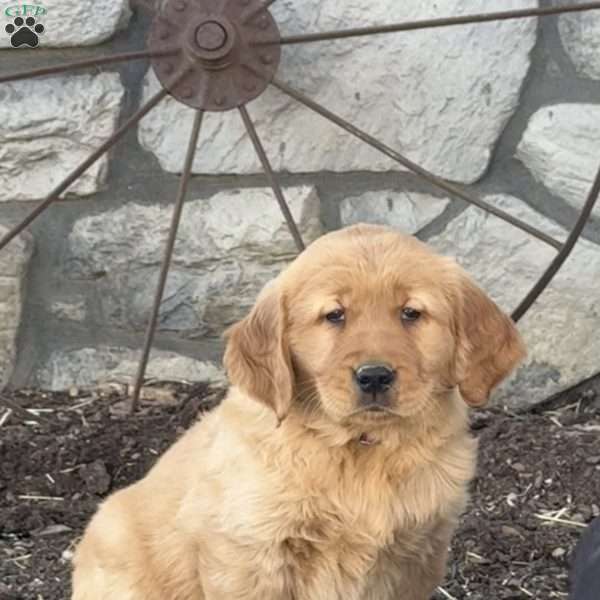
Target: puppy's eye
{"points": [[336, 316], [410, 314]]}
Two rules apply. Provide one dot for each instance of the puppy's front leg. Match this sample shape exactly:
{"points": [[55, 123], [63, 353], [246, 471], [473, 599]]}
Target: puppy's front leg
{"points": [[231, 570], [97, 584], [126, 554], [108, 563], [411, 568]]}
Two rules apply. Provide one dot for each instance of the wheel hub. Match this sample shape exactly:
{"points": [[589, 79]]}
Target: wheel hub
{"points": [[211, 36], [219, 42]]}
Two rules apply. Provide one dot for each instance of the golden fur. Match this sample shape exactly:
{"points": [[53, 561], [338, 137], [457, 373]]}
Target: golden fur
{"points": [[287, 491]]}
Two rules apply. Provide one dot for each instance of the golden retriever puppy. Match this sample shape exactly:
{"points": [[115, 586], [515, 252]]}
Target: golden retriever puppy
{"points": [[338, 464]]}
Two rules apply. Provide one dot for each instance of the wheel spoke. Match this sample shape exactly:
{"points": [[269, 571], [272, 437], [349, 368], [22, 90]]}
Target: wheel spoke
{"points": [[399, 158], [82, 64], [564, 253], [433, 23], [88, 162], [168, 255], [260, 151]]}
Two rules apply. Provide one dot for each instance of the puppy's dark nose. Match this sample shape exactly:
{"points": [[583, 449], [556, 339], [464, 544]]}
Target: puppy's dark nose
{"points": [[374, 378]]}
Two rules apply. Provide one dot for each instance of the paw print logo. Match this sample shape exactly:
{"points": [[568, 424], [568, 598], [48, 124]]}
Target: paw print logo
{"points": [[24, 32]]}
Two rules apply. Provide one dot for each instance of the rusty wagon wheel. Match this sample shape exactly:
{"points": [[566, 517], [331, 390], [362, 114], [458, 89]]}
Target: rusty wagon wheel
{"points": [[217, 56]]}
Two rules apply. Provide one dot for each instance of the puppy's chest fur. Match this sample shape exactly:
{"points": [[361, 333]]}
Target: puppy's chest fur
{"points": [[326, 521], [360, 510]]}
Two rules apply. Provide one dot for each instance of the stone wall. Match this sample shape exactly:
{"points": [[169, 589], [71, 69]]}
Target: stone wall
{"points": [[509, 109]]}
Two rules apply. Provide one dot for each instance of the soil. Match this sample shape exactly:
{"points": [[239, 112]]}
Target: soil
{"points": [[537, 487]]}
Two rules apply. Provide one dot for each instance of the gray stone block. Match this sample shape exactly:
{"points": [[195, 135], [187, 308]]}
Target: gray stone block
{"points": [[228, 247], [49, 126]]}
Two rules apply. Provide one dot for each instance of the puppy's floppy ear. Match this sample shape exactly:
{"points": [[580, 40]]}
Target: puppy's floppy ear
{"points": [[489, 345], [257, 358]]}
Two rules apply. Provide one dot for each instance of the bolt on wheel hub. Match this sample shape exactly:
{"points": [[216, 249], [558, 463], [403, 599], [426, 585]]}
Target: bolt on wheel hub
{"points": [[219, 44]]}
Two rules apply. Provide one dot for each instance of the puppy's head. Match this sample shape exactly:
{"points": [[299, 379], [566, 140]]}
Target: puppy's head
{"points": [[368, 324]]}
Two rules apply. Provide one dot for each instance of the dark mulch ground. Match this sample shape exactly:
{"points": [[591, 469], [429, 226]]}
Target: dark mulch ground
{"points": [[538, 484]]}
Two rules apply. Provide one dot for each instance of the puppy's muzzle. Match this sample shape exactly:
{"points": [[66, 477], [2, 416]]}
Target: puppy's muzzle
{"points": [[374, 380]]}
